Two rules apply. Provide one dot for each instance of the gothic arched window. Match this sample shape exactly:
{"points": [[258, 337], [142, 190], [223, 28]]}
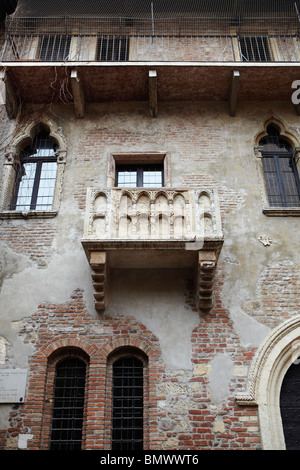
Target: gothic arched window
{"points": [[280, 170], [36, 176], [290, 406]]}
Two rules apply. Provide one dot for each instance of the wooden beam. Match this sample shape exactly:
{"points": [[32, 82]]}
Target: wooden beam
{"points": [[153, 93], [78, 93], [8, 95], [234, 92]]}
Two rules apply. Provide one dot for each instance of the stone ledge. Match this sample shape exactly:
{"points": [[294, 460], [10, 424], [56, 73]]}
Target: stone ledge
{"points": [[27, 214], [282, 211]]}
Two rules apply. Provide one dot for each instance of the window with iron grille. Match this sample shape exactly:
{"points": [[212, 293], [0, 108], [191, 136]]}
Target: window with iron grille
{"points": [[280, 171], [113, 48], [35, 180], [54, 47], [146, 176], [254, 48], [127, 404], [68, 405]]}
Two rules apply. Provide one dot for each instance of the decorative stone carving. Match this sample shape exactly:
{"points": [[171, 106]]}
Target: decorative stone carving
{"points": [[265, 240]]}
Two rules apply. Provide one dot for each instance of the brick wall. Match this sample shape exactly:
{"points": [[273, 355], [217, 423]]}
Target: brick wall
{"points": [[181, 413]]}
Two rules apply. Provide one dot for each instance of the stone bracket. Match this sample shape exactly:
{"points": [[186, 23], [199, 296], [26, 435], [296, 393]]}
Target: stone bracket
{"points": [[8, 95], [98, 264], [153, 93], [233, 97], [205, 280]]}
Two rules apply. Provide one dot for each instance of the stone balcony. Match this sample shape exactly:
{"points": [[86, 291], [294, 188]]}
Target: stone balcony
{"points": [[152, 228]]}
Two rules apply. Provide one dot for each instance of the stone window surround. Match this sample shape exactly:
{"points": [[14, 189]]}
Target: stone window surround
{"points": [[268, 368], [294, 142], [12, 162]]}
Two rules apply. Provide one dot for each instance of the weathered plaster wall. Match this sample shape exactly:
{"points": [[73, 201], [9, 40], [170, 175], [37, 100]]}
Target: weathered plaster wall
{"points": [[209, 356]]}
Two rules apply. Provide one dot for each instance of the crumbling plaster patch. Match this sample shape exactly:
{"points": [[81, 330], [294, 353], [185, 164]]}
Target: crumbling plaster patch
{"points": [[158, 303], [30, 286]]}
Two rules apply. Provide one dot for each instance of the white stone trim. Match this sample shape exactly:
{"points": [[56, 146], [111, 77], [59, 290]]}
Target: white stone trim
{"points": [[266, 374]]}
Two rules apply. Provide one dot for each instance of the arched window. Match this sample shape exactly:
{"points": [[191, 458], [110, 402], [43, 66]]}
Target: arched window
{"points": [[68, 404], [290, 406], [127, 392], [280, 171], [36, 176]]}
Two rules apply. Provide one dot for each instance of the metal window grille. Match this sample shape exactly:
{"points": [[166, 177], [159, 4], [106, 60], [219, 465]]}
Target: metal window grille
{"points": [[127, 412], [255, 48], [113, 48], [146, 176], [54, 47], [280, 171], [36, 177], [68, 407]]}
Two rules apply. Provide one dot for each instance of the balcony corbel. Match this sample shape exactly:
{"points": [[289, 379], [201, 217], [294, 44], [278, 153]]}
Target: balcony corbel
{"points": [[206, 270], [98, 264]]}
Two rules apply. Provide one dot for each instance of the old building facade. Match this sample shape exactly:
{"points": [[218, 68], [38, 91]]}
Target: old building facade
{"points": [[149, 219]]}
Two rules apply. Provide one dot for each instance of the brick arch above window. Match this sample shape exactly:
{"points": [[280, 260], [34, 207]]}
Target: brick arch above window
{"points": [[65, 396], [58, 345], [149, 355], [142, 344]]}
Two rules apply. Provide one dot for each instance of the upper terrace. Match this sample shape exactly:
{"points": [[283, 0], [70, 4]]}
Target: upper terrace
{"points": [[129, 50]]}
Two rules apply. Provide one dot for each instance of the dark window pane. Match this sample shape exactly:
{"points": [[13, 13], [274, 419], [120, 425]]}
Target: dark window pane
{"points": [[290, 407], [54, 47], [280, 171], [127, 422], [113, 48], [254, 48], [146, 176]]}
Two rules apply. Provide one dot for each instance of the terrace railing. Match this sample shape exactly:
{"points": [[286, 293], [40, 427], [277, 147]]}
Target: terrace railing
{"points": [[107, 40]]}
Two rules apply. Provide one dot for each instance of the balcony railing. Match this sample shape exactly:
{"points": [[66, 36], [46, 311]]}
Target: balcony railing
{"points": [[156, 48], [164, 214], [272, 37]]}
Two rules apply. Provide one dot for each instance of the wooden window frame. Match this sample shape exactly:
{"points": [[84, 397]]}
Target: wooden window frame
{"points": [[139, 158]]}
